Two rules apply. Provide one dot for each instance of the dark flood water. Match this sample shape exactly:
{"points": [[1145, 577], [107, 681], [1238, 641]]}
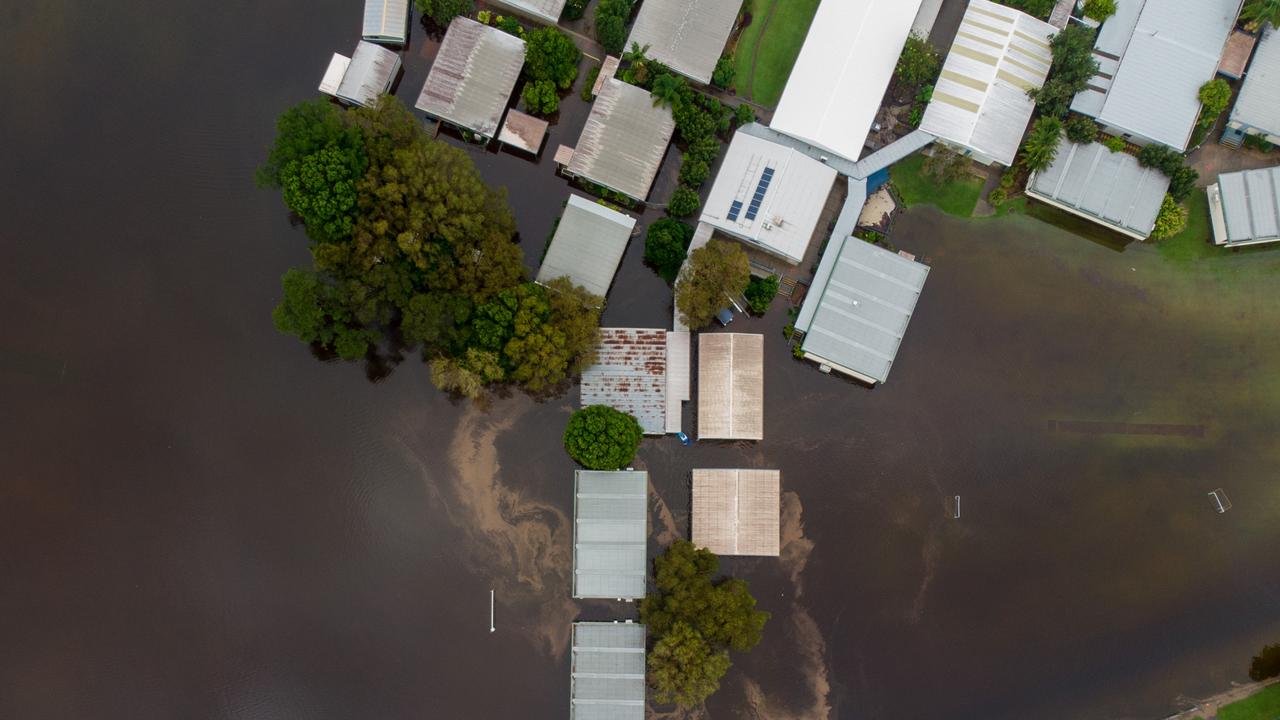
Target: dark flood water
{"points": [[198, 519]]}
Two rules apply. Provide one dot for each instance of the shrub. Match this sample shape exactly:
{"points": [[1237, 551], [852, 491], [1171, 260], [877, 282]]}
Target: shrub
{"points": [[1266, 664], [510, 26], [1072, 67], [1041, 146], [1215, 95], [744, 114], [997, 197], [945, 165], [1008, 179], [665, 244], [442, 11], [1182, 182], [1099, 10], [540, 97], [1171, 220], [1115, 144], [693, 172], [1081, 129], [760, 293], [1038, 8], [726, 69], [574, 9], [684, 202], [919, 62], [611, 24], [1257, 13], [601, 438], [590, 83]]}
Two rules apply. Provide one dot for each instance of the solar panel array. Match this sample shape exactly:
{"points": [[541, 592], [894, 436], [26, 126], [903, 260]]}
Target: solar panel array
{"points": [[761, 188], [734, 208]]}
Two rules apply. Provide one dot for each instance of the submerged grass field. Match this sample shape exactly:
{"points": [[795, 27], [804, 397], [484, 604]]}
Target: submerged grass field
{"points": [[915, 188], [778, 48], [1261, 706]]}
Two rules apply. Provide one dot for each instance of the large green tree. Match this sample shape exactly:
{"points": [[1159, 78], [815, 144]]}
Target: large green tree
{"points": [[1215, 96], [307, 128], [714, 273], [665, 244], [599, 437], [919, 62], [551, 55], [694, 621], [315, 311], [1072, 66], [1266, 664], [611, 24], [320, 188], [1041, 146]]}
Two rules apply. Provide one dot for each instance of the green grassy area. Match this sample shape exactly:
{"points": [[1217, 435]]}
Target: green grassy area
{"points": [[915, 188], [778, 48], [1194, 242], [1260, 706]]}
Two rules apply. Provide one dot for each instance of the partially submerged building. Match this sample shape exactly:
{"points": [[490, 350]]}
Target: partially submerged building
{"points": [[630, 375], [610, 533], [1257, 108], [547, 11], [472, 77], [386, 21], [523, 132], [980, 103], [857, 310], [587, 246], [687, 36], [1109, 188], [730, 386], [1245, 207], [361, 79], [840, 77], [737, 512], [606, 671], [1153, 56], [769, 196], [623, 141]]}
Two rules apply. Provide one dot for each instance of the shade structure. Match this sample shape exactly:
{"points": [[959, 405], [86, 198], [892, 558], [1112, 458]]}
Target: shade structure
{"points": [[737, 512]]}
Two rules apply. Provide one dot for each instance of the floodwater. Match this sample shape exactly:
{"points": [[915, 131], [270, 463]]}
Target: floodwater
{"points": [[200, 519]]}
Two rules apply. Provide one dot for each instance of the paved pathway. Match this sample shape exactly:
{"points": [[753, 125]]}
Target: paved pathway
{"points": [[1061, 14], [1208, 708]]}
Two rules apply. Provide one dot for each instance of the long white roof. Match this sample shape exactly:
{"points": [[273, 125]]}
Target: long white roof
{"points": [[1109, 188], [610, 533], [842, 72], [587, 246], [769, 195], [1259, 102], [980, 100], [685, 35]]}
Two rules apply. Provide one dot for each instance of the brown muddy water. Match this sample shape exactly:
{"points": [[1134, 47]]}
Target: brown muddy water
{"points": [[199, 519]]}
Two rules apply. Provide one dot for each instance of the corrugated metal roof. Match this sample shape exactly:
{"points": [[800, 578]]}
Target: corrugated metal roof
{"points": [[370, 74], [472, 76], [386, 20], [547, 11], [1175, 48], [607, 666], [1112, 189], [333, 74], [687, 36], [1250, 203], [679, 358], [588, 245], [630, 375], [624, 140], [792, 201], [861, 307], [1236, 55], [844, 67], [1258, 105], [737, 512], [523, 131], [730, 386], [980, 101], [610, 533]]}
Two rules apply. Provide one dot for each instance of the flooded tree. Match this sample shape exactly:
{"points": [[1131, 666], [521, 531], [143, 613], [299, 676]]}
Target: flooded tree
{"points": [[715, 272], [601, 438]]}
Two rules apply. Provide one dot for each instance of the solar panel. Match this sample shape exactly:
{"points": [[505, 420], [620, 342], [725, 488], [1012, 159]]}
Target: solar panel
{"points": [[734, 209], [761, 188]]}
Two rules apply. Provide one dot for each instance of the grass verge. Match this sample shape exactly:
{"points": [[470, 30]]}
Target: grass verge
{"points": [[1259, 706], [1194, 242], [915, 188], [778, 48]]}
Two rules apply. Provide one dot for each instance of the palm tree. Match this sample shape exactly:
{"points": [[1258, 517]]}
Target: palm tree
{"points": [[1041, 146], [1257, 13], [666, 89]]}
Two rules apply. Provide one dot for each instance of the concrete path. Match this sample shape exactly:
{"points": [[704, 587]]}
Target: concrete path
{"points": [[1212, 159], [1207, 709]]}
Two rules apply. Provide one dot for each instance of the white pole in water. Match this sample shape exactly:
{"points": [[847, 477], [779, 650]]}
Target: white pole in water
{"points": [[957, 507], [491, 627]]}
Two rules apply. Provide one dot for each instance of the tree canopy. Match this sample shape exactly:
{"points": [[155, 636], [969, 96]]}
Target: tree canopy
{"points": [[601, 438], [552, 56], [442, 12], [1038, 8], [1171, 220], [919, 62], [1266, 664], [1041, 146], [1257, 13], [1081, 129], [665, 243], [1072, 67], [1099, 10], [694, 622], [715, 272], [611, 24], [1215, 96]]}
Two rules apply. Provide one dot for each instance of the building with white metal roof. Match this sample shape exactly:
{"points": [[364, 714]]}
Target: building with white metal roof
{"points": [[610, 533], [472, 76], [857, 309], [386, 21], [1257, 108], [370, 73], [1148, 92], [624, 140], [842, 72], [1111, 189], [687, 36], [730, 386], [980, 103], [679, 384], [547, 11], [768, 195], [587, 246], [630, 375], [1245, 207], [334, 73], [606, 671], [737, 512]]}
